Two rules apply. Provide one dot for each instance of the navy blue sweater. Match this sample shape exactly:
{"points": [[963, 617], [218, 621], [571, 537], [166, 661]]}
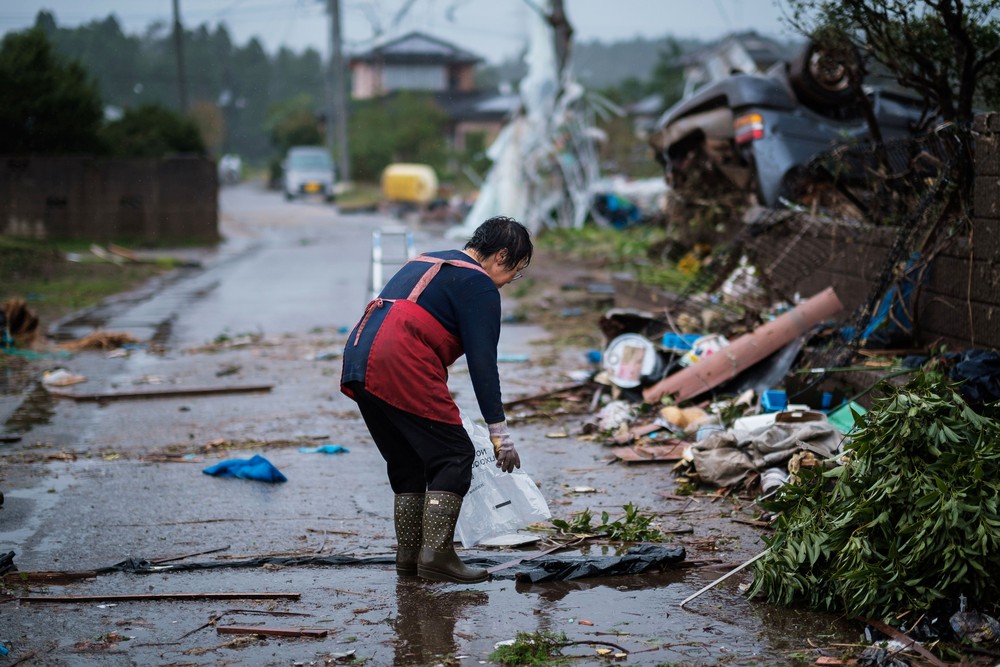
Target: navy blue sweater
{"points": [[467, 304]]}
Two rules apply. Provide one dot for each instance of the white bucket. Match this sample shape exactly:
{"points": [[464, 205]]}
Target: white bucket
{"points": [[629, 358]]}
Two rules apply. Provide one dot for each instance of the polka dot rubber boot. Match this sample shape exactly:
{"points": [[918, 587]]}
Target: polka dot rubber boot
{"points": [[438, 560], [408, 513]]}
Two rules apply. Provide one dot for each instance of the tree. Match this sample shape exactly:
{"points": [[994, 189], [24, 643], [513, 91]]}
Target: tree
{"points": [[407, 127], [947, 51], [153, 131], [667, 78], [293, 123], [50, 105]]}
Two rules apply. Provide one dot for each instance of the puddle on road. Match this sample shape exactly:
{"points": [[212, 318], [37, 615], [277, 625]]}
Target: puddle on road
{"points": [[36, 409], [407, 621], [15, 377]]}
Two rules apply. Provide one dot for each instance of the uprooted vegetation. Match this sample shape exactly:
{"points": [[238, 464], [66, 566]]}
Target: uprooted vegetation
{"points": [[907, 523]]}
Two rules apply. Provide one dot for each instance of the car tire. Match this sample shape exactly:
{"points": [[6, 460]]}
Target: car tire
{"points": [[289, 196], [821, 78]]}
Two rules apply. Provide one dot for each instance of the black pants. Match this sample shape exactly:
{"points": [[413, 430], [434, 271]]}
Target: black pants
{"points": [[420, 454]]}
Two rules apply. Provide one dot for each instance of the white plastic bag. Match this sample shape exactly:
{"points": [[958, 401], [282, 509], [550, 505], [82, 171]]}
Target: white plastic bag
{"points": [[498, 503]]}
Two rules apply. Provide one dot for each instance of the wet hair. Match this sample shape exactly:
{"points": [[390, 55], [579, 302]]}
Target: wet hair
{"points": [[503, 233]]}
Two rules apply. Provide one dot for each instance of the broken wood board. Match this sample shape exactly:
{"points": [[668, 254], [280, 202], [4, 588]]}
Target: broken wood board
{"points": [[143, 597], [162, 393], [47, 577], [270, 632], [650, 453]]}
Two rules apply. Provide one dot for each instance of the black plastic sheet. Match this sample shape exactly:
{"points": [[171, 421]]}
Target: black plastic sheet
{"points": [[553, 567]]}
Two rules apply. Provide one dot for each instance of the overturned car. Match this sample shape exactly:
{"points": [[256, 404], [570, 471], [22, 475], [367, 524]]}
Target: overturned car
{"points": [[762, 131]]}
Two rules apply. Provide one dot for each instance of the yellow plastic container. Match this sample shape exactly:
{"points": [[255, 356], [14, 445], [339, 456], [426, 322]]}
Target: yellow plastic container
{"points": [[409, 183]]}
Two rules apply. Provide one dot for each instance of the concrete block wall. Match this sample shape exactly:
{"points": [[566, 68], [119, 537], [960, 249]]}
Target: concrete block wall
{"points": [[172, 200]]}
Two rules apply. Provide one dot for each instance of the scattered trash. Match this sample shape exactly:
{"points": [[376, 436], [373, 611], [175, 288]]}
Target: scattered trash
{"points": [[101, 340], [746, 351], [631, 359], [18, 324], [969, 625], [325, 449], [651, 453], [612, 415], [61, 377], [257, 468], [703, 347], [773, 400]]}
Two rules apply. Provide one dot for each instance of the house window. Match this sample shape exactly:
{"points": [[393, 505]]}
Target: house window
{"points": [[413, 77]]}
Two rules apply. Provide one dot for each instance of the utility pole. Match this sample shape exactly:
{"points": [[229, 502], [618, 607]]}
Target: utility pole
{"points": [[179, 50], [337, 97]]}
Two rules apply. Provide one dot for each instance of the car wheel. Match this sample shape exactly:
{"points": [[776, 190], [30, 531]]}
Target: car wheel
{"points": [[821, 78], [289, 196]]}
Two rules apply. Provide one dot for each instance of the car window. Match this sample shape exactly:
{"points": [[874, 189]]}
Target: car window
{"points": [[309, 161]]}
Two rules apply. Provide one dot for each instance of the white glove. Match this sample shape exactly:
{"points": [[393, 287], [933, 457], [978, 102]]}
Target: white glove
{"points": [[503, 447]]}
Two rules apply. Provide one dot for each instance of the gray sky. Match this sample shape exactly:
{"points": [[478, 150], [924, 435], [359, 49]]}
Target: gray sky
{"points": [[493, 29]]}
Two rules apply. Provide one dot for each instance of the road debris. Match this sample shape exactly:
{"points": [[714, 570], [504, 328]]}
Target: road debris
{"points": [[265, 631], [169, 392], [257, 468], [142, 597]]}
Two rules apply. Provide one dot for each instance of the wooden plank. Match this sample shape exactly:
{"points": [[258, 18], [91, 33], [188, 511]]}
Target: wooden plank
{"points": [[143, 597], [271, 632], [162, 393]]}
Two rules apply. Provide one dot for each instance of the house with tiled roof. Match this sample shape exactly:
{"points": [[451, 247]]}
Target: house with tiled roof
{"points": [[419, 62], [415, 61]]}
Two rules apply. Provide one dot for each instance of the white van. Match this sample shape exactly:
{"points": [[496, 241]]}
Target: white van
{"points": [[308, 170]]}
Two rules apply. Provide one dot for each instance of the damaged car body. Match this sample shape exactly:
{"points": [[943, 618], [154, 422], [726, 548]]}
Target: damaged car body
{"points": [[761, 131]]}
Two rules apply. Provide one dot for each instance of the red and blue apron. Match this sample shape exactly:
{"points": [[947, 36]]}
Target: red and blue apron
{"points": [[410, 354]]}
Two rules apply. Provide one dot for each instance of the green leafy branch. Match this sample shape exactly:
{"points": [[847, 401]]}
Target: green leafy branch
{"points": [[633, 527]]}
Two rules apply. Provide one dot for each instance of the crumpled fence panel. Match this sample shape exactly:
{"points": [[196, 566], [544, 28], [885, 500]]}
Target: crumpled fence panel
{"points": [[637, 560]]}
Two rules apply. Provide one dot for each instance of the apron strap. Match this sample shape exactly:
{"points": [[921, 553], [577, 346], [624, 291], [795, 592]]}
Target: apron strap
{"points": [[436, 263], [418, 289]]}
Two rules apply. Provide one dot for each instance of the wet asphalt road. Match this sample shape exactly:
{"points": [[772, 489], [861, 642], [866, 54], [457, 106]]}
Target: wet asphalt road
{"points": [[90, 485]]}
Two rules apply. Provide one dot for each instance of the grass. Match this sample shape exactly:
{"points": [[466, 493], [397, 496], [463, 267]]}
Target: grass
{"points": [[627, 249], [360, 195], [53, 286]]}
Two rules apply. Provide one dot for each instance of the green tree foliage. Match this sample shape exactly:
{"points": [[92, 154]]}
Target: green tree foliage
{"points": [[407, 127], [908, 523], [153, 131], [243, 81], [948, 51], [294, 123], [49, 105]]}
